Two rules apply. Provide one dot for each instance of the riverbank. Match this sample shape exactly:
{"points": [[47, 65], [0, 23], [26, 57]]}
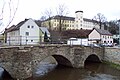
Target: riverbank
{"points": [[112, 57], [114, 65]]}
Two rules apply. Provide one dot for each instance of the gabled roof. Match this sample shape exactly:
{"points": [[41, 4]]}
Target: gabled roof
{"points": [[70, 18], [102, 32], [76, 33], [16, 27], [64, 18], [44, 29], [89, 20]]}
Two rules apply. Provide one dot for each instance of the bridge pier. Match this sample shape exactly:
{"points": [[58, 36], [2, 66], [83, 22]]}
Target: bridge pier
{"points": [[17, 62]]}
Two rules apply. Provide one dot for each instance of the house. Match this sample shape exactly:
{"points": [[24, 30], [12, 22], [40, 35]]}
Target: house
{"points": [[101, 37], [25, 32], [68, 36], [71, 23], [43, 31]]}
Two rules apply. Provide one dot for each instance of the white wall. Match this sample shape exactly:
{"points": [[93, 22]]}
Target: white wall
{"points": [[13, 37], [94, 35], [106, 39], [90, 25], [78, 41], [78, 20], [33, 36]]}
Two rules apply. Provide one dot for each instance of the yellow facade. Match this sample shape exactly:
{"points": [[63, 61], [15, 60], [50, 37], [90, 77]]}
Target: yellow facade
{"points": [[66, 24]]}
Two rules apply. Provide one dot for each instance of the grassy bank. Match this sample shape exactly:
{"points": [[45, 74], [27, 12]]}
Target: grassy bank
{"points": [[114, 65]]}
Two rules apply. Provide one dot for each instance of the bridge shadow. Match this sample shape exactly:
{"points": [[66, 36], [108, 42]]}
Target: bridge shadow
{"points": [[62, 61], [92, 58], [93, 61], [50, 63], [4, 75]]}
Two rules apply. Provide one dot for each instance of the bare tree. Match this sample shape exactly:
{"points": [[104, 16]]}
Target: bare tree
{"points": [[48, 14], [43, 18], [113, 27], [11, 8], [61, 12], [100, 18]]}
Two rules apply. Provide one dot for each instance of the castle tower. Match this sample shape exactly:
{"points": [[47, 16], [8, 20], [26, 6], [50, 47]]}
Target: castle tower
{"points": [[78, 20]]}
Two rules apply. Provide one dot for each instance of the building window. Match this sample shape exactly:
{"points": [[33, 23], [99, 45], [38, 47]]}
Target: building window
{"points": [[27, 33], [32, 26], [104, 41], [31, 40], [28, 26], [26, 40]]}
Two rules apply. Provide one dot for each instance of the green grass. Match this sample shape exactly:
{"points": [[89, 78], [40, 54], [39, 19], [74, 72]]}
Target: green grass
{"points": [[114, 65]]}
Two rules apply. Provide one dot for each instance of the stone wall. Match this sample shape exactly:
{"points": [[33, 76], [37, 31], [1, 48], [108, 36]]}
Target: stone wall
{"points": [[112, 55], [21, 61]]}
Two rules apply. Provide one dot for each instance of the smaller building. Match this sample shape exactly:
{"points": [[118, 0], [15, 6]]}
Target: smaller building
{"points": [[78, 41], [44, 33], [100, 37]]}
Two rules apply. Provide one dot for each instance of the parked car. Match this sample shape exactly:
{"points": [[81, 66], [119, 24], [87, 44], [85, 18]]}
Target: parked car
{"points": [[107, 45]]}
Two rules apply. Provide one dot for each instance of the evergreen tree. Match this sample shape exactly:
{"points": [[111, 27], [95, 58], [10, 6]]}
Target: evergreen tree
{"points": [[46, 37]]}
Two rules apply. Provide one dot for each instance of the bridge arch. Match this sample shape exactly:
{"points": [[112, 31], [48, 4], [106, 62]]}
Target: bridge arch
{"points": [[92, 58], [5, 72], [62, 60]]}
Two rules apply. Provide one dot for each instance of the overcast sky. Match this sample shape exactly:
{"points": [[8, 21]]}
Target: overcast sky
{"points": [[35, 8]]}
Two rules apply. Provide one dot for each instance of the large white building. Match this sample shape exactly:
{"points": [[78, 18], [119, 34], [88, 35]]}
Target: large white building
{"points": [[77, 22], [25, 32]]}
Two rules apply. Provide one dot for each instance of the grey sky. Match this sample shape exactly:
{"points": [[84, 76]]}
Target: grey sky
{"points": [[34, 8]]}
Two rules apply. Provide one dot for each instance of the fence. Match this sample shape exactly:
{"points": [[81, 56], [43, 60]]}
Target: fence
{"points": [[33, 40]]}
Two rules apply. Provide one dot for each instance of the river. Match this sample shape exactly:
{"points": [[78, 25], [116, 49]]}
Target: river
{"points": [[91, 71]]}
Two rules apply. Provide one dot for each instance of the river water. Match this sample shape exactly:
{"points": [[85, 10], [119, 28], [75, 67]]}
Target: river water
{"points": [[91, 71]]}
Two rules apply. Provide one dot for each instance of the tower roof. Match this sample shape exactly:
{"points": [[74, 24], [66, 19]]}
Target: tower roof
{"points": [[78, 11]]}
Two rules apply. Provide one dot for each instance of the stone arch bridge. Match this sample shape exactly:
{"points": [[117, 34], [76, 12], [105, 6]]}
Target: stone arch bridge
{"points": [[20, 61]]}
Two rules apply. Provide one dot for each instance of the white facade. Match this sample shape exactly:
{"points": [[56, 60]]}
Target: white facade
{"points": [[89, 25], [101, 38], [78, 41], [13, 37], [27, 33], [82, 23], [78, 20], [94, 35]]}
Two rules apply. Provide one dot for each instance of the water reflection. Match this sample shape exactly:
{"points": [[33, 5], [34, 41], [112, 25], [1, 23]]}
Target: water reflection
{"points": [[93, 71], [44, 69]]}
